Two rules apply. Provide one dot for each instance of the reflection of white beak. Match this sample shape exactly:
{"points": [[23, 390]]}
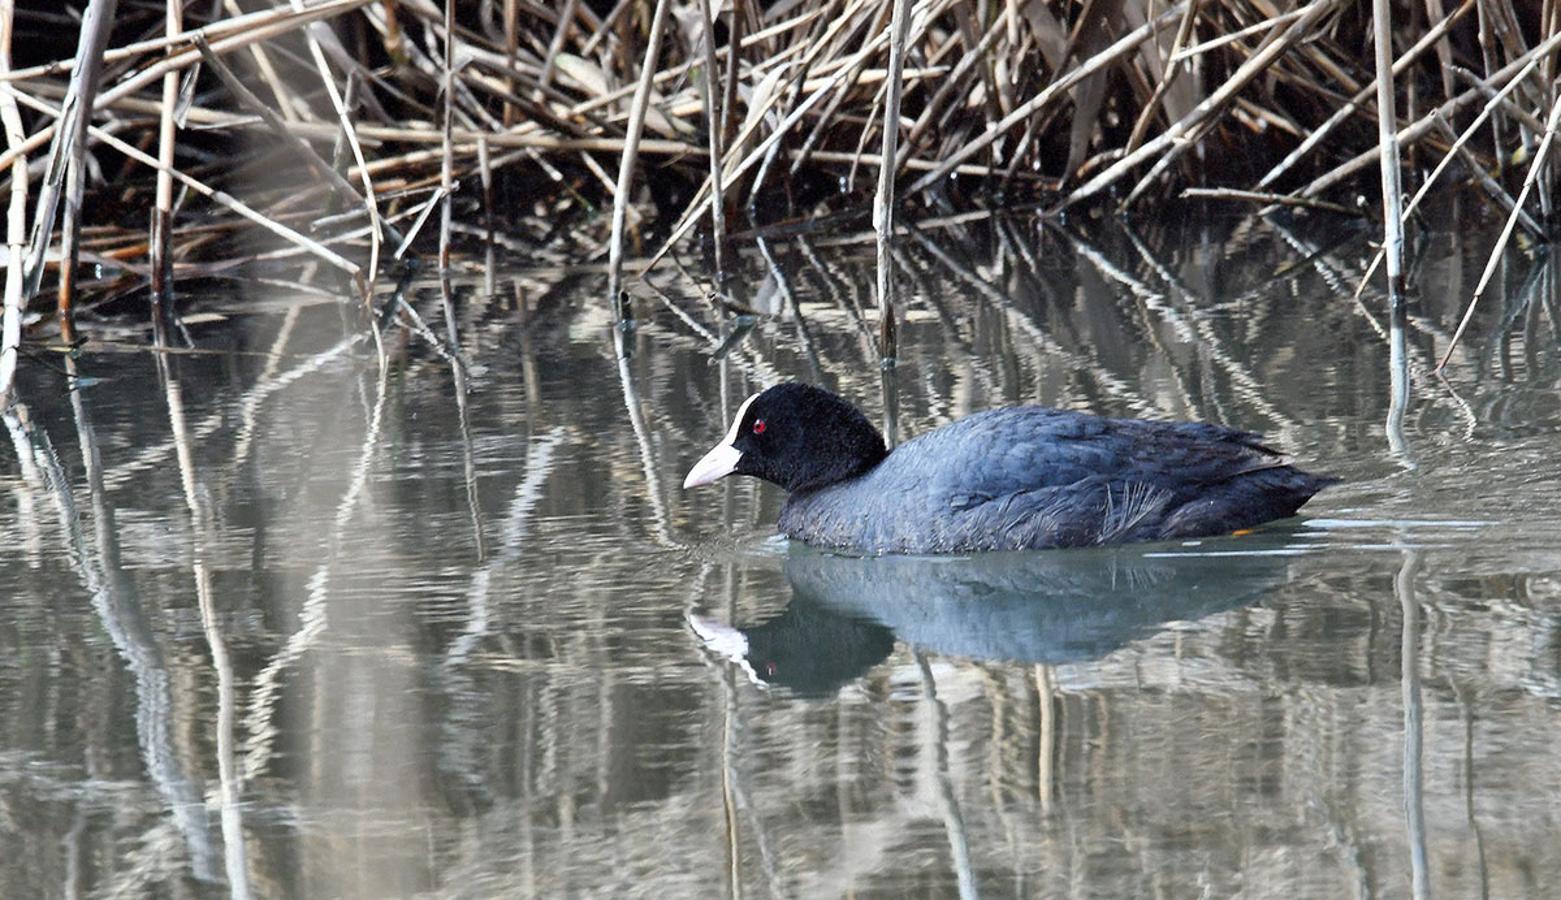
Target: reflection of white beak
{"points": [[720, 637], [724, 640], [722, 460], [716, 464]]}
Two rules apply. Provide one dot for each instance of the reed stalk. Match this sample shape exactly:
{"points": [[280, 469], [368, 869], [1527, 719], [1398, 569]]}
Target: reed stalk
{"points": [[1356, 102], [1536, 166], [344, 116], [220, 197], [883, 205], [714, 117], [162, 213], [631, 149], [1387, 136], [66, 158], [447, 158], [306, 152], [16, 219], [1019, 96]]}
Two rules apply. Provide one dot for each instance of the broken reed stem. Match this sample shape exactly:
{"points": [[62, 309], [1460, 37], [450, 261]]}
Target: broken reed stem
{"points": [[267, 71], [1458, 145], [485, 178], [1120, 48], [70, 241], [244, 24], [162, 212], [566, 19], [1168, 75], [883, 206], [1425, 123], [511, 49], [75, 188], [344, 117], [1265, 197], [219, 197], [692, 213], [132, 85], [317, 163], [16, 219], [1173, 141], [69, 141], [1535, 167], [1360, 97], [631, 142], [1387, 136], [1491, 186], [446, 189]]}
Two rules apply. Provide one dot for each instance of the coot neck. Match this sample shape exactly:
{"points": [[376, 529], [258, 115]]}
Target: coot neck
{"points": [[853, 457]]}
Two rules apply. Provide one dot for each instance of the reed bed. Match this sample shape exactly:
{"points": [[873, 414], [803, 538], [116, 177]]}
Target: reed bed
{"points": [[133, 128]]}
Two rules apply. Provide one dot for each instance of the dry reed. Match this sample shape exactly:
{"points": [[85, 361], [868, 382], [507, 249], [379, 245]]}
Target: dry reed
{"points": [[1055, 101]]}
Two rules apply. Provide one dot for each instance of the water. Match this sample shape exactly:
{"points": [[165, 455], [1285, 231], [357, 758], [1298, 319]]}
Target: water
{"points": [[272, 625]]}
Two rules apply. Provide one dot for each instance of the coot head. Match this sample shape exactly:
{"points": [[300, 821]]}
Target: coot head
{"points": [[794, 435]]}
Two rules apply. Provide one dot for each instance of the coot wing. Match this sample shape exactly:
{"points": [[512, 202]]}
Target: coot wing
{"points": [[1036, 477], [989, 456]]}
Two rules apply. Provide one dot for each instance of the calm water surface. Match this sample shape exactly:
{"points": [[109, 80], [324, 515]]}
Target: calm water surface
{"points": [[273, 624]]}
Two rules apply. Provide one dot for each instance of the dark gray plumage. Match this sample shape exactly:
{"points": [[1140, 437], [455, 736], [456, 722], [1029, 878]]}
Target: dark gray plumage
{"points": [[1024, 477]]}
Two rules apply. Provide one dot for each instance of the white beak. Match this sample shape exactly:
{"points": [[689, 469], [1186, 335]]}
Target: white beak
{"points": [[722, 460], [716, 464]]}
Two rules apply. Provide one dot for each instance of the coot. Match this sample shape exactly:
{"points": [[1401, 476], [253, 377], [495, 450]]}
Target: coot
{"points": [[1019, 478]]}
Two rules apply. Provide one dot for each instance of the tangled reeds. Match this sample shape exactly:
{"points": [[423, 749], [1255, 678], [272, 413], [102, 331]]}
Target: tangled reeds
{"points": [[714, 114]]}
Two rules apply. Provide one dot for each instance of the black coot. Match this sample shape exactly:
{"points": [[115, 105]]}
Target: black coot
{"points": [[1020, 478]]}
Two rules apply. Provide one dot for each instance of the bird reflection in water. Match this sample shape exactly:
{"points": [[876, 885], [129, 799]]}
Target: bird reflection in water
{"points": [[846, 613]]}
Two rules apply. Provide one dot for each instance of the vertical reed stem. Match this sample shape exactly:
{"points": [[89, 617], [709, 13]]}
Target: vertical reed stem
{"points": [[1387, 133], [16, 227], [70, 238], [713, 121], [511, 48], [447, 189], [883, 206], [631, 150], [344, 115], [446, 176], [162, 214]]}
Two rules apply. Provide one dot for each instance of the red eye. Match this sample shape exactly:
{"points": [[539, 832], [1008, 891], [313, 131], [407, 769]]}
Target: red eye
{"points": [[758, 426]]}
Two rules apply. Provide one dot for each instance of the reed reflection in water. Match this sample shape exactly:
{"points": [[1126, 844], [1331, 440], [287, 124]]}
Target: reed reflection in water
{"points": [[275, 622]]}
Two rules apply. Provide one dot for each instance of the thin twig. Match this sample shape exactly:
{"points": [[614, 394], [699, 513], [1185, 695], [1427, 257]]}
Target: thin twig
{"points": [[1264, 197]]}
